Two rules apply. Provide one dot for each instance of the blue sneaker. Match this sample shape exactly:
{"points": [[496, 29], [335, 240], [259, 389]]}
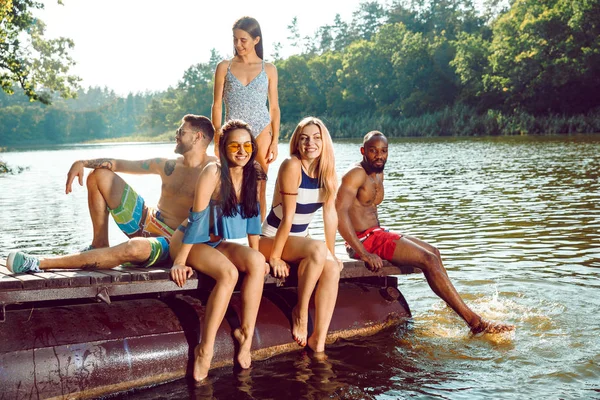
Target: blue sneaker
{"points": [[19, 262]]}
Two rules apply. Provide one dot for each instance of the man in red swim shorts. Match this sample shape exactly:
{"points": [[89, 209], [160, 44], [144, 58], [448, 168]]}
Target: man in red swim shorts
{"points": [[360, 192]]}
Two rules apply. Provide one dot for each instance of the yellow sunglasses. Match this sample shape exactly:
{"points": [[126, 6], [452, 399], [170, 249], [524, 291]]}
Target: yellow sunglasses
{"points": [[234, 147]]}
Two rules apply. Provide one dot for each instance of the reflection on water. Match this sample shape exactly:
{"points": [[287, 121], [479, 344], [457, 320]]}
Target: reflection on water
{"points": [[516, 219]]}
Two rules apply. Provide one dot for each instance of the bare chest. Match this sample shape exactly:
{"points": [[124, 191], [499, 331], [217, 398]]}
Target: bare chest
{"points": [[371, 192], [181, 183]]}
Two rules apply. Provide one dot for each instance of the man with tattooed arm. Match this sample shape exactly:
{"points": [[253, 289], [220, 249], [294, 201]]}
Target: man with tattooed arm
{"points": [[149, 229]]}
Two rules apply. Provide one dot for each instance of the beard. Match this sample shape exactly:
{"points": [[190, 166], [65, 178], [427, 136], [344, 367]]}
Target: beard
{"points": [[370, 168], [181, 148]]}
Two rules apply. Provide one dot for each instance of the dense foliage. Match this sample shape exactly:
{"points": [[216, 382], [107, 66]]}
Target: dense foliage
{"points": [[416, 67], [38, 66]]}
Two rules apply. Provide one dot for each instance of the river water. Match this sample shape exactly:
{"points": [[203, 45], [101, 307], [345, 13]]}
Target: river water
{"points": [[516, 219]]}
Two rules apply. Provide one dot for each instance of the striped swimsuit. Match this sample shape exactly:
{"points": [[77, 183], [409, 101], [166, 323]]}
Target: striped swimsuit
{"points": [[248, 103], [309, 200]]}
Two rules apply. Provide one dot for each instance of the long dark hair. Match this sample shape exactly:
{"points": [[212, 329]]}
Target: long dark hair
{"points": [[252, 28], [248, 201]]}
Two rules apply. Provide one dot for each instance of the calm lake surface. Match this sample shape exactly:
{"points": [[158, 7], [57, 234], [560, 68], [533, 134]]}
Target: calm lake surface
{"points": [[517, 221]]}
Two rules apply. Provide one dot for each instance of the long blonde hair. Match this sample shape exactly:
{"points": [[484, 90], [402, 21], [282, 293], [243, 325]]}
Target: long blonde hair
{"points": [[326, 162]]}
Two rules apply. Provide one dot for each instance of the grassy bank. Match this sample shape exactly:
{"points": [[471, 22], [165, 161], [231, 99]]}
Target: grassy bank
{"points": [[459, 120], [41, 144]]}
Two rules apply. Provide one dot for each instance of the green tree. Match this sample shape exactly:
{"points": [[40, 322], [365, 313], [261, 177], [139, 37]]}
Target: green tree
{"points": [[325, 39], [399, 73], [324, 71], [294, 35], [407, 13], [39, 66], [160, 116], [194, 91], [296, 89], [545, 56], [341, 33], [472, 64], [56, 125], [368, 18], [360, 76], [438, 17], [276, 54]]}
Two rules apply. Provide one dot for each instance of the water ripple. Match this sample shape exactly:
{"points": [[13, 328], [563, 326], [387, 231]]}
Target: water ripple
{"points": [[517, 221]]}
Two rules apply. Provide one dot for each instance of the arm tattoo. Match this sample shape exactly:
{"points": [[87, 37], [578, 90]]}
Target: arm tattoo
{"points": [[105, 163], [93, 265], [169, 167], [146, 163]]}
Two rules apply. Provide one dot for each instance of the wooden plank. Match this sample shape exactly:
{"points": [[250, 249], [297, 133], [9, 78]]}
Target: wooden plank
{"points": [[73, 292], [30, 281], [75, 277], [5, 271], [9, 282], [95, 277], [122, 281], [160, 273], [137, 274], [54, 280], [151, 273], [392, 269], [116, 275]]}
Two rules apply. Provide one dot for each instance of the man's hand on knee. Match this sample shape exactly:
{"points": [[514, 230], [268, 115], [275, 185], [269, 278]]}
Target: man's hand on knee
{"points": [[75, 171], [372, 261]]}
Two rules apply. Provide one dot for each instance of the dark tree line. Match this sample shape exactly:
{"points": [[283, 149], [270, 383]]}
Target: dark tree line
{"points": [[95, 114]]}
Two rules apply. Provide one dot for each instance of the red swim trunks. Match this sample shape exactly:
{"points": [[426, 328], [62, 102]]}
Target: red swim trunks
{"points": [[377, 240]]}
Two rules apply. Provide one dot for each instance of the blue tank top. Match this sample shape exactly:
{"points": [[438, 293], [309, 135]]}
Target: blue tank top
{"points": [[211, 220], [309, 200], [248, 103]]}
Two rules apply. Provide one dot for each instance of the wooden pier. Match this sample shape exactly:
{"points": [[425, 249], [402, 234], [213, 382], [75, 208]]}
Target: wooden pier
{"points": [[104, 284], [75, 334]]}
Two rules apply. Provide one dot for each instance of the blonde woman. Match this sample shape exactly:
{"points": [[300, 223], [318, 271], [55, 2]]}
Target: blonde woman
{"points": [[244, 84], [306, 182]]}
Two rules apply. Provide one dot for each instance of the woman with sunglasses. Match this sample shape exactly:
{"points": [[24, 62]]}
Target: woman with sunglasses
{"points": [[305, 183], [225, 207], [244, 84]]}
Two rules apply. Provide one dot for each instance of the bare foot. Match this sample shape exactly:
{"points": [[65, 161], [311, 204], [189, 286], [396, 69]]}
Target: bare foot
{"points": [[315, 347], [299, 327], [244, 358], [490, 327], [202, 361]]}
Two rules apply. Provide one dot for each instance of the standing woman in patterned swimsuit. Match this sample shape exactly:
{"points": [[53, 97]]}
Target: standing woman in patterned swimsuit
{"points": [[245, 83]]}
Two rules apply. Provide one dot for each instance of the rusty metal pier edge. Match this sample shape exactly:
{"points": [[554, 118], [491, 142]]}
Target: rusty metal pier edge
{"points": [[77, 351]]}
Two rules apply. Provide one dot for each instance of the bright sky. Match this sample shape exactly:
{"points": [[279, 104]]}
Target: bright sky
{"points": [[140, 45]]}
